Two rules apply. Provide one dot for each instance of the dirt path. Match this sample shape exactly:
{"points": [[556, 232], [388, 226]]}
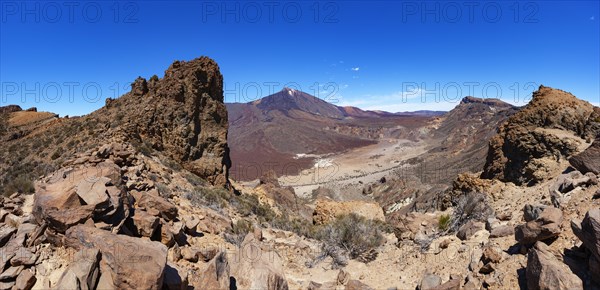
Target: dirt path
{"points": [[366, 164]]}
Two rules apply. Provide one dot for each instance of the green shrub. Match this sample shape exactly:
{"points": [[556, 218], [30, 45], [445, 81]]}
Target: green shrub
{"points": [[247, 204], [21, 184], [194, 179], [57, 154], [299, 226], [238, 232], [444, 222]]}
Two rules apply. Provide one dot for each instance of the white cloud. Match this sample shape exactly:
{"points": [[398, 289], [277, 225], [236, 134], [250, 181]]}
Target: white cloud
{"points": [[355, 68]]}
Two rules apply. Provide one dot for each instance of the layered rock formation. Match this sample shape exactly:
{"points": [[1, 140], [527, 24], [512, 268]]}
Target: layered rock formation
{"points": [[183, 115]]}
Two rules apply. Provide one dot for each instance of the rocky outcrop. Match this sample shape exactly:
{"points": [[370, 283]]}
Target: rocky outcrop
{"points": [[131, 262], [545, 271], [72, 196], [588, 160], [327, 210], [543, 227], [552, 126], [10, 109], [182, 115]]}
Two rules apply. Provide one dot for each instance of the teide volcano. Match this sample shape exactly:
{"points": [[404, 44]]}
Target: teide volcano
{"points": [[272, 131]]}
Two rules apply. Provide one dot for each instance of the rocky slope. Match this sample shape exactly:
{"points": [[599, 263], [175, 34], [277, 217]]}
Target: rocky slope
{"points": [[458, 143], [181, 115], [554, 125]]}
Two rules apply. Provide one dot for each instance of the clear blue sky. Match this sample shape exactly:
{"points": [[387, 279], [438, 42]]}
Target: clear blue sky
{"points": [[67, 57]]}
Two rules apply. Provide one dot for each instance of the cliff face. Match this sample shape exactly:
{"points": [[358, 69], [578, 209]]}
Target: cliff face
{"points": [[553, 126], [182, 115]]}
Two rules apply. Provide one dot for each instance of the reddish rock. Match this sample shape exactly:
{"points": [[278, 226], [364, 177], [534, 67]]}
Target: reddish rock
{"points": [[134, 263]]}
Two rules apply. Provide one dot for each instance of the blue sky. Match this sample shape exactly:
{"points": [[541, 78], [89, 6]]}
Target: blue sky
{"points": [[67, 57]]}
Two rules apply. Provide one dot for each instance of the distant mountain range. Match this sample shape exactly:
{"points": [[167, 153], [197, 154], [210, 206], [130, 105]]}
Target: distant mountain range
{"points": [[274, 129], [270, 132]]}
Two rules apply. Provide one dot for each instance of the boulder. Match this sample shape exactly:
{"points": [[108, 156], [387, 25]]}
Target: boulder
{"points": [[588, 231], [194, 254], [532, 212], [175, 278], [430, 281], [6, 233], [7, 285], [546, 226], [258, 268], [25, 280], [83, 271], [356, 285], [167, 237], [502, 231], [469, 229], [213, 222], [491, 254], [131, 262], [321, 286], [144, 224], [343, 277], [93, 191], [152, 200], [11, 273], [588, 160], [23, 257], [452, 284], [545, 271], [216, 274], [56, 199]]}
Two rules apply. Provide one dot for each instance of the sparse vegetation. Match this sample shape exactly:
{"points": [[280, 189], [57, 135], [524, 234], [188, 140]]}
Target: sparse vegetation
{"points": [[194, 179], [444, 222], [21, 184], [163, 190], [239, 231], [472, 206], [351, 236], [3, 124], [57, 153], [170, 163]]}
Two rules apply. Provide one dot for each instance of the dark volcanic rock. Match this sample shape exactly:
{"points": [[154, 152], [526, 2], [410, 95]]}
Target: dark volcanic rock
{"points": [[10, 109], [588, 231], [545, 226], [182, 115], [545, 271], [588, 160]]}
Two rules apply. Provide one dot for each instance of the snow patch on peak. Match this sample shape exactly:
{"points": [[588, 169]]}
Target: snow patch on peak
{"points": [[290, 92]]}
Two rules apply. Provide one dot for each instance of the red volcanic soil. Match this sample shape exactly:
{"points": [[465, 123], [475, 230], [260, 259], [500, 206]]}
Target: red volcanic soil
{"points": [[268, 133]]}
